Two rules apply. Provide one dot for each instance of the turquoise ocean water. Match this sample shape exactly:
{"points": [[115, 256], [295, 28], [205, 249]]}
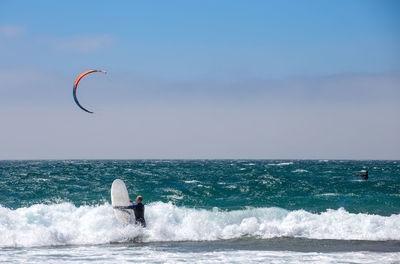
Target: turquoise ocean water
{"points": [[224, 211]]}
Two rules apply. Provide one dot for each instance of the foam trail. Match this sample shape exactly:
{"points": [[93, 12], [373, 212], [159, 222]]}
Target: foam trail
{"points": [[66, 224], [281, 164]]}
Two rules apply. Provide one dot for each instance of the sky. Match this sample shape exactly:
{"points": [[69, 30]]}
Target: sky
{"points": [[200, 79]]}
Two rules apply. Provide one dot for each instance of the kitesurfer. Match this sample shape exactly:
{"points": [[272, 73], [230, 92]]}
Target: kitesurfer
{"points": [[138, 208], [365, 175]]}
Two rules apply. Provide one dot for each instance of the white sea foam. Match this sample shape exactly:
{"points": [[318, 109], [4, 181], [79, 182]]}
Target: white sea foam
{"points": [[326, 194], [174, 191], [300, 170], [281, 164], [192, 181], [65, 224], [144, 254], [174, 197]]}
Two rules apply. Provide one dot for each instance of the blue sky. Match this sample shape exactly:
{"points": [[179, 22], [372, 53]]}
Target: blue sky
{"points": [[201, 79]]}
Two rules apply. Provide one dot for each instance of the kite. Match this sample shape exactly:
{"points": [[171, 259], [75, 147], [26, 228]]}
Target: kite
{"points": [[76, 85]]}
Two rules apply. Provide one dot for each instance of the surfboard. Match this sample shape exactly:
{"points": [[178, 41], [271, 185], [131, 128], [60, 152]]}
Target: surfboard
{"points": [[120, 197]]}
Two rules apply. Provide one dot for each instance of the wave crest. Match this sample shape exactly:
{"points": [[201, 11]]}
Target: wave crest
{"points": [[66, 224]]}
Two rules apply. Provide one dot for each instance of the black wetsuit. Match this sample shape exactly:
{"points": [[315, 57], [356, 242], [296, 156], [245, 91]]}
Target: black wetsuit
{"points": [[139, 213], [365, 176]]}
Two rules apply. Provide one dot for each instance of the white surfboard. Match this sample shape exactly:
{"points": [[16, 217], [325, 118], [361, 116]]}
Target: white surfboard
{"points": [[120, 197]]}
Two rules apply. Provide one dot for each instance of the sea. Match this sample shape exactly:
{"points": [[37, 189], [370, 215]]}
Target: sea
{"points": [[201, 211]]}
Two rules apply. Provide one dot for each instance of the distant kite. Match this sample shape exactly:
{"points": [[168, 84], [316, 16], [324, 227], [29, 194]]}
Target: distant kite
{"points": [[76, 85]]}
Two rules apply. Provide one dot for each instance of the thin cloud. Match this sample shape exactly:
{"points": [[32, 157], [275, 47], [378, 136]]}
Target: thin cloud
{"points": [[164, 127], [12, 30], [358, 89], [84, 43]]}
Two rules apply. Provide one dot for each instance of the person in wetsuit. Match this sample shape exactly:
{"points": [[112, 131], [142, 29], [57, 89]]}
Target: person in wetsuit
{"points": [[365, 175], [138, 208]]}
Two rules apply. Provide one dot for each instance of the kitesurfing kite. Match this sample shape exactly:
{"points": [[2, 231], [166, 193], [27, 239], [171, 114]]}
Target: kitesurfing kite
{"points": [[76, 85]]}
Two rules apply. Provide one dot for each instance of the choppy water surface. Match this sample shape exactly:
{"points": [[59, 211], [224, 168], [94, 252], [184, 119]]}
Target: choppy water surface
{"points": [[282, 211]]}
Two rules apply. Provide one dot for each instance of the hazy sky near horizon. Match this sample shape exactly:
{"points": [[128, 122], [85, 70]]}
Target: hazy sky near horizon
{"points": [[200, 79]]}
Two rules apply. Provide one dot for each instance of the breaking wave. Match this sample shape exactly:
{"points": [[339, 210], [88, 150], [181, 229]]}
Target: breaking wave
{"points": [[66, 224]]}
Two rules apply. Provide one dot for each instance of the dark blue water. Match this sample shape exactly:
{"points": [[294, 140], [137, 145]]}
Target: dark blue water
{"points": [[227, 184], [224, 211]]}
